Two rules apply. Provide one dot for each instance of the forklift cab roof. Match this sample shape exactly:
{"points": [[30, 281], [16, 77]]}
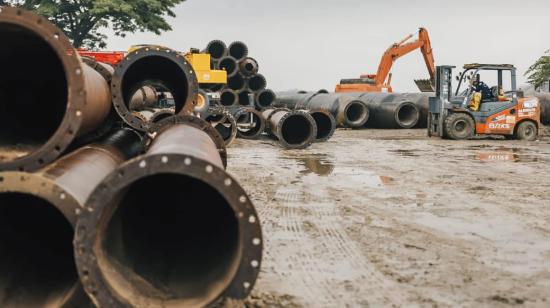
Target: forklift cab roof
{"points": [[497, 67]]}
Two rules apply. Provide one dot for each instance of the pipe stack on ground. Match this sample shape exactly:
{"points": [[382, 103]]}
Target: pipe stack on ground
{"points": [[544, 100], [175, 229], [243, 76]]}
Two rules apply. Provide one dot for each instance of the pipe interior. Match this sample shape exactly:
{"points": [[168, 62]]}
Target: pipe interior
{"points": [[216, 50], [33, 92], [324, 125], [296, 130], [356, 112], [37, 267], [228, 98], [222, 124], [238, 50], [266, 99], [249, 124], [407, 115], [249, 67], [229, 65], [161, 73], [236, 82], [178, 245], [244, 99], [256, 83]]}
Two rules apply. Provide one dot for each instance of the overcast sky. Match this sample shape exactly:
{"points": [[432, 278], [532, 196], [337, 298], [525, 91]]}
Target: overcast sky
{"points": [[310, 45]]}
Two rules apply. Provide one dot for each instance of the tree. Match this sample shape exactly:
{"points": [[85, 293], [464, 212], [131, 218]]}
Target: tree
{"points": [[82, 20], [539, 72]]}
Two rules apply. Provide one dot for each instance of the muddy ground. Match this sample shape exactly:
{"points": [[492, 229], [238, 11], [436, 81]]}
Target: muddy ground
{"points": [[392, 218]]}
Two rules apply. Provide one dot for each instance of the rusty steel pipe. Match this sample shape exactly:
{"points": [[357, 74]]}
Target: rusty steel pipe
{"points": [[217, 50], [144, 97], [193, 241], [294, 129], [37, 214], [248, 66], [158, 67], [223, 121], [348, 111], [48, 96], [238, 50], [250, 122], [326, 124]]}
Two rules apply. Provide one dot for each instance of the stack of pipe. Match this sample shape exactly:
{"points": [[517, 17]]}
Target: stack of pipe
{"points": [[175, 228], [245, 85]]}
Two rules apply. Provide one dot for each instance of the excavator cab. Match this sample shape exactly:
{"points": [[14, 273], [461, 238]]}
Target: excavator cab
{"points": [[479, 109]]}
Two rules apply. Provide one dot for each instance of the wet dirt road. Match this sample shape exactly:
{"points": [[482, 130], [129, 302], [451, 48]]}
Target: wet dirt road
{"points": [[392, 218]]}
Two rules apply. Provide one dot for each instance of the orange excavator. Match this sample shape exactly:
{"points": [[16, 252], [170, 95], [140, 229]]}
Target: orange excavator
{"points": [[381, 81]]}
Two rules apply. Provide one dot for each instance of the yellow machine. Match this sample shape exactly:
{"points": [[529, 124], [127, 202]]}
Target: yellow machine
{"points": [[205, 74]]}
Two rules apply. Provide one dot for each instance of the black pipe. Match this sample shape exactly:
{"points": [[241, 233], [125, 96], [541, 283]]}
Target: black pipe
{"points": [[229, 65], [48, 96], [37, 214], [294, 129], [326, 124], [228, 97], [257, 82], [348, 111], [248, 66], [236, 83], [171, 229], [544, 102], [250, 122], [238, 50], [217, 50], [390, 110], [245, 99], [265, 99], [163, 68]]}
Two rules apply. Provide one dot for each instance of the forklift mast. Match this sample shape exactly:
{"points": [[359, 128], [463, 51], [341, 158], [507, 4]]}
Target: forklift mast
{"points": [[441, 102]]}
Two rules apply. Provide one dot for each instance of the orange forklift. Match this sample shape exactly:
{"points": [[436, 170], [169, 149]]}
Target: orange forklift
{"points": [[381, 81], [479, 109]]}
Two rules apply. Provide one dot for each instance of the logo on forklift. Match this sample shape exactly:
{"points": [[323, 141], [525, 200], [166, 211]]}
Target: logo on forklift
{"points": [[531, 104], [499, 126], [499, 118]]}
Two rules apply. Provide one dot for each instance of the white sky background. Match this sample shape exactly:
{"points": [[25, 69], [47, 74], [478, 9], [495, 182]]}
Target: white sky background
{"points": [[306, 44]]}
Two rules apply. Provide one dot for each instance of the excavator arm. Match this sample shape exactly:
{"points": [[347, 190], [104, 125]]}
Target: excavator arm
{"points": [[400, 49]]}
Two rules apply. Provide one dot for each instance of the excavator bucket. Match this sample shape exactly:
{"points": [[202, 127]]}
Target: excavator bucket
{"points": [[425, 85]]}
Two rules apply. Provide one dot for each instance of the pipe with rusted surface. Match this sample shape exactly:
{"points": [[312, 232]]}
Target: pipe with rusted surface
{"points": [[144, 97], [294, 129], [250, 122], [348, 111], [224, 122], [193, 241], [158, 67], [48, 96], [248, 66], [37, 214]]}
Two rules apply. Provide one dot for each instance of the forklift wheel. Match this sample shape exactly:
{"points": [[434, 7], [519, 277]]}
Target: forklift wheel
{"points": [[459, 126], [527, 131]]}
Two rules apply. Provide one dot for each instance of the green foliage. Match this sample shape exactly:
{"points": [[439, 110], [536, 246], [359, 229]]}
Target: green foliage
{"points": [[82, 20], [540, 71]]}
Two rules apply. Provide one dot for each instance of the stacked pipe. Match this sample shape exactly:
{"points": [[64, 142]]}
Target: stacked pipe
{"points": [[243, 75], [191, 235]]}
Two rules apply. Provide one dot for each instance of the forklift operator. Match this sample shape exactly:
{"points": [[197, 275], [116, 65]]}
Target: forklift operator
{"points": [[481, 87]]}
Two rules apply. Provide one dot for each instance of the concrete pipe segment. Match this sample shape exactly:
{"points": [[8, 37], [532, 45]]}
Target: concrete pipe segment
{"points": [[157, 67], [38, 212], [294, 129], [348, 111], [390, 110], [48, 96], [170, 228]]}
